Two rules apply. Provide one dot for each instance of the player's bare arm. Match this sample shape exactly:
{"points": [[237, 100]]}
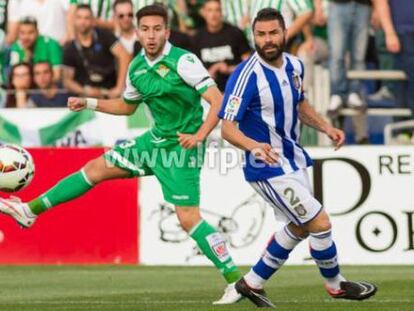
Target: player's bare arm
{"points": [[310, 117], [262, 151], [214, 97], [110, 106]]}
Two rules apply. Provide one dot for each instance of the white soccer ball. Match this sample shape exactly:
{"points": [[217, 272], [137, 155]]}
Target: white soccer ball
{"points": [[16, 168]]}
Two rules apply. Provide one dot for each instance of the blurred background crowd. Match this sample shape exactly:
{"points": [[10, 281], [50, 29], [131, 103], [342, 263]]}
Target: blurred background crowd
{"points": [[50, 49]]}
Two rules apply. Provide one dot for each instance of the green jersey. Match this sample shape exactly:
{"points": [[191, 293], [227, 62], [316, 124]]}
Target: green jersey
{"points": [[45, 49], [171, 86], [234, 11], [288, 8]]}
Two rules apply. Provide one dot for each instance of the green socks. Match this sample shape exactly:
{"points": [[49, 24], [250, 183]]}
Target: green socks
{"points": [[65, 190], [214, 247]]}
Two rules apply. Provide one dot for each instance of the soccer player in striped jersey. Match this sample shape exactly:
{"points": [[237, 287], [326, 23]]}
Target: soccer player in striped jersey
{"points": [[171, 81], [262, 107]]}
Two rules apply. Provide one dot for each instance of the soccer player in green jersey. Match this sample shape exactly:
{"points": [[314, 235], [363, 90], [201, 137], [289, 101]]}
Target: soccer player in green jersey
{"points": [[171, 81]]}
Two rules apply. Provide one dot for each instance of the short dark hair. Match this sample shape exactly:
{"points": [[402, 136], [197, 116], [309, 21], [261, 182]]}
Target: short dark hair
{"points": [[269, 14], [42, 62], [207, 1], [28, 20], [153, 10], [84, 6], [117, 2]]}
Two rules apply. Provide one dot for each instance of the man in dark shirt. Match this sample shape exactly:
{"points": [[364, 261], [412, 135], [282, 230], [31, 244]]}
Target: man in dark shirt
{"points": [[48, 94], [219, 45], [95, 63], [398, 23]]}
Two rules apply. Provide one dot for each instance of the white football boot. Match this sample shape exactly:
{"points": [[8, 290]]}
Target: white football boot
{"points": [[20, 211], [230, 296]]}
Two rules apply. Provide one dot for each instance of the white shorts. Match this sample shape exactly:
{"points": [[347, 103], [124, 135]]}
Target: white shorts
{"points": [[290, 196]]}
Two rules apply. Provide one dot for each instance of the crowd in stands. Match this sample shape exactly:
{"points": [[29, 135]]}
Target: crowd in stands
{"points": [[50, 49]]}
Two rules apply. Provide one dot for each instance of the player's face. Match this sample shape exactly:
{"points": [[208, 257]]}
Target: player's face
{"points": [[124, 16], [269, 39], [42, 75], [153, 34], [83, 21], [27, 35], [212, 13]]}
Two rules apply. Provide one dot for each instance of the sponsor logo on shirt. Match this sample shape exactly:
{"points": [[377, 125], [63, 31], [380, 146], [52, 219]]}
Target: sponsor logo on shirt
{"points": [[163, 70], [233, 105], [190, 58]]}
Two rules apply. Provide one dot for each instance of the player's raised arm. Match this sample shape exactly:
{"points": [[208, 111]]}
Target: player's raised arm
{"points": [[111, 106], [310, 117], [118, 106]]}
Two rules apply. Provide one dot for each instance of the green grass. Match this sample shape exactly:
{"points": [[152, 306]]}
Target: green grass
{"points": [[113, 288]]}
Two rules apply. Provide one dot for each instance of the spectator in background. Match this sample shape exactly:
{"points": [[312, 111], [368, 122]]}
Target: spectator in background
{"points": [[397, 20], [177, 12], [95, 63], [348, 25], [47, 93], [54, 18], [21, 82], [220, 46], [314, 49], [297, 14], [31, 47], [3, 14], [124, 24], [236, 13], [385, 60], [194, 9], [102, 11]]}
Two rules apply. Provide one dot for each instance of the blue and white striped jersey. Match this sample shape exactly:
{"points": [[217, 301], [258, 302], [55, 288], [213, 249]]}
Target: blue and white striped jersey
{"points": [[264, 101]]}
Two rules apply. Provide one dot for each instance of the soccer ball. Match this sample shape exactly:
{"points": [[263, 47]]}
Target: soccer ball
{"points": [[16, 168]]}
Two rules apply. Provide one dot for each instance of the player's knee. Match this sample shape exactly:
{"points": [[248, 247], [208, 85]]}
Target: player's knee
{"points": [[188, 218], [93, 171], [299, 232], [320, 224]]}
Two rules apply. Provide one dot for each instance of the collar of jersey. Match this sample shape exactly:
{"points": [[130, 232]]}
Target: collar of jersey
{"points": [[267, 65], [165, 51]]}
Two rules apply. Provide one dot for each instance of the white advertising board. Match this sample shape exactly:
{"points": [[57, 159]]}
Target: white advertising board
{"points": [[368, 191]]}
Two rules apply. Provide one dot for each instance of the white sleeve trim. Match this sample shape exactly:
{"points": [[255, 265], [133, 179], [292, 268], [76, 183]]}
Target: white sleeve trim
{"points": [[130, 92]]}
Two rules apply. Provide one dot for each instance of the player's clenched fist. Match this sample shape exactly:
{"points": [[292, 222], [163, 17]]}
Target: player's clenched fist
{"points": [[76, 103]]}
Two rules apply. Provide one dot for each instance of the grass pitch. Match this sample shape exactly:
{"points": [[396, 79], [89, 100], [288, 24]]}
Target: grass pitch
{"points": [[113, 288]]}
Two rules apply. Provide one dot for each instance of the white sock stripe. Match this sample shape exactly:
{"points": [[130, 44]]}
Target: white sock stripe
{"points": [[86, 178], [47, 202], [320, 244], [193, 229], [284, 239], [321, 235], [274, 259], [269, 262]]}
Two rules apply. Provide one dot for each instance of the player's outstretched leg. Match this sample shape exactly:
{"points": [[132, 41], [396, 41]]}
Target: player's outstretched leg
{"points": [[323, 251], [213, 246], [69, 188], [276, 253]]}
